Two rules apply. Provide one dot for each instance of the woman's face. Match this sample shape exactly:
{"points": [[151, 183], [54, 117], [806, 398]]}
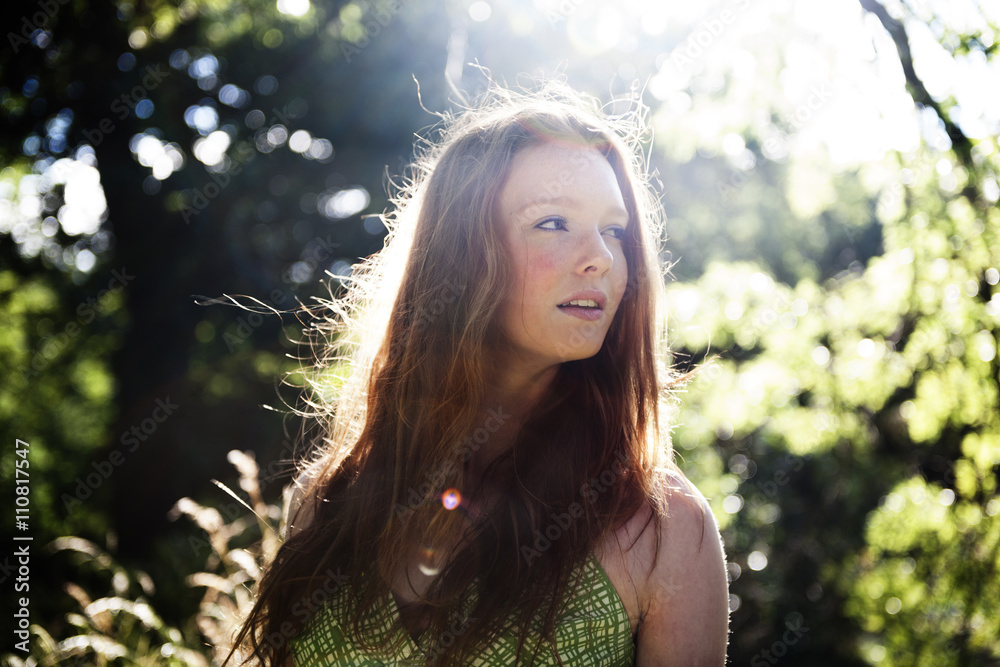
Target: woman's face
{"points": [[564, 222]]}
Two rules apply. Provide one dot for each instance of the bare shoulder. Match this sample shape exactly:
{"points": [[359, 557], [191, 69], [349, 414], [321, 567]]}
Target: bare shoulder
{"points": [[685, 603]]}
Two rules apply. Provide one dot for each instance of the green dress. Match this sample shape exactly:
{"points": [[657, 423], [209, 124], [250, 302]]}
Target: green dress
{"points": [[593, 631]]}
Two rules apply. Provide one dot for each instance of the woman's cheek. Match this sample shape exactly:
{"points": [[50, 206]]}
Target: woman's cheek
{"points": [[542, 261], [620, 282]]}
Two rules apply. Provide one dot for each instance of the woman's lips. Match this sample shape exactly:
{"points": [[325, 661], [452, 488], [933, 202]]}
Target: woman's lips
{"points": [[583, 313]]}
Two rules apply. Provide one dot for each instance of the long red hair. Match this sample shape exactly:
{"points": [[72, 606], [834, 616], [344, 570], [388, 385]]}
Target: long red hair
{"points": [[400, 391]]}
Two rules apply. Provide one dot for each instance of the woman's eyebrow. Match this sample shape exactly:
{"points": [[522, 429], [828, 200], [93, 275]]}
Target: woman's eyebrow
{"points": [[562, 200], [543, 200]]}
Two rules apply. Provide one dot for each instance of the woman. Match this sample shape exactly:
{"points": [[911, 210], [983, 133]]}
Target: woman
{"points": [[492, 488]]}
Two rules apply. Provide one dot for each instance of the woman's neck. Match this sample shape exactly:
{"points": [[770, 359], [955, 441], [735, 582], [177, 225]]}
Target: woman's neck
{"points": [[507, 403]]}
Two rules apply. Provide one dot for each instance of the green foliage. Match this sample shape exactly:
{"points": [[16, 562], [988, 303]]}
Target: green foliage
{"points": [[56, 390], [885, 379], [847, 434], [926, 585]]}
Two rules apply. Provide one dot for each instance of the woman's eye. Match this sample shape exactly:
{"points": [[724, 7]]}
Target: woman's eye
{"points": [[616, 232], [552, 223]]}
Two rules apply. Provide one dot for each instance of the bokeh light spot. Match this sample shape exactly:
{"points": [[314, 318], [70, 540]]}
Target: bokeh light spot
{"points": [[480, 11], [820, 355], [757, 561], [344, 203], [203, 118], [451, 499], [320, 150], [234, 96], [300, 141], [138, 39], [266, 85], [211, 150], [203, 67], [732, 504], [294, 8], [126, 62], [144, 109]]}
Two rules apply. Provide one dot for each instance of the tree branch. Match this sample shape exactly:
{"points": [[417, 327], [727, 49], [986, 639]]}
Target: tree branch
{"points": [[959, 142]]}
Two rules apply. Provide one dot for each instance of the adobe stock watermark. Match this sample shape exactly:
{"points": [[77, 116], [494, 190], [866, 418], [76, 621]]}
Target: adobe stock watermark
{"points": [[775, 146], [459, 626], [561, 11], [86, 311], [130, 441], [331, 582], [562, 522], [317, 252], [796, 629], [446, 294], [247, 324], [304, 609], [704, 36], [553, 188], [124, 104], [585, 331], [819, 95], [380, 19], [780, 477], [30, 24], [891, 197], [307, 607], [568, 350], [200, 198], [464, 448]]}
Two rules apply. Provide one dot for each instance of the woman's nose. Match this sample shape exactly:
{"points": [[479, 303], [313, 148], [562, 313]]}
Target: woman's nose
{"points": [[595, 256]]}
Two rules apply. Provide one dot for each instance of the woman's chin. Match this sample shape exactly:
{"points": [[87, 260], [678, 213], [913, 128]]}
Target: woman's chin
{"points": [[580, 353]]}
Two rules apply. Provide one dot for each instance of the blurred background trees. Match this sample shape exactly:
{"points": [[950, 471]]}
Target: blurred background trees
{"points": [[830, 176]]}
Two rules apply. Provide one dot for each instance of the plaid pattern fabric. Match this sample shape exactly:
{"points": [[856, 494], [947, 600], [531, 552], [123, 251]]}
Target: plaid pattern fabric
{"points": [[593, 631]]}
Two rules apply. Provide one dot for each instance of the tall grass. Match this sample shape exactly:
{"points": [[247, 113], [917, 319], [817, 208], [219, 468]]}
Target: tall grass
{"points": [[120, 627]]}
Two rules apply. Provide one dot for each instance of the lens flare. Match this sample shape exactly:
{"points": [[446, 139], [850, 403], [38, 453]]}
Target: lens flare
{"points": [[427, 565], [451, 499]]}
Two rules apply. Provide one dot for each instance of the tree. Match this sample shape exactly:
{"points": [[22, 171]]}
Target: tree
{"points": [[848, 434], [853, 415]]}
